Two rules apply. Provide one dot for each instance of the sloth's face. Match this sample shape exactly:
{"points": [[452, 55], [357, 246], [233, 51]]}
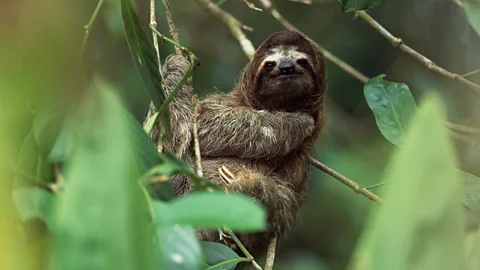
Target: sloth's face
{"points": [[285, 76]]}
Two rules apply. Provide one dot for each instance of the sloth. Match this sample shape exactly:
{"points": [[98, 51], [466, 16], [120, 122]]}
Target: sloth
{"points": [[256, 139]]}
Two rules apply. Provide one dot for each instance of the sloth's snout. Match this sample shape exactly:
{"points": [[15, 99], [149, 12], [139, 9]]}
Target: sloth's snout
{"points": [[286, 67]]}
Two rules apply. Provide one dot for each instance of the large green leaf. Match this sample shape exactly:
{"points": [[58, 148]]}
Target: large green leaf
{"points": [[210, 210], [353, 5], [179, 248], [103, 216], [472, 9], [218, 256], [144, 56], [392, 104], [421, 223]]}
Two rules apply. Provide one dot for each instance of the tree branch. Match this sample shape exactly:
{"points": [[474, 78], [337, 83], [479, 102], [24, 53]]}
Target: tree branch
{"points": [[233, 23], [271, 254], [171, 26], [353, 185], [153, 24], [429, 64]]}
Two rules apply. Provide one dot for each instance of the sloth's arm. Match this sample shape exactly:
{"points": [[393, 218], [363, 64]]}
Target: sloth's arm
{"points": [[228, 130]]}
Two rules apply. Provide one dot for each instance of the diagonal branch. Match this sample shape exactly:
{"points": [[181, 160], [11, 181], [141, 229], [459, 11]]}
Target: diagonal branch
{"points": [[353, 185], [397, 43], [236, 27]]}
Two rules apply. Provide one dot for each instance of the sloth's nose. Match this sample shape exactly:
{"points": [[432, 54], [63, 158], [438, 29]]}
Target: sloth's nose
{"points": [[286, 67]]}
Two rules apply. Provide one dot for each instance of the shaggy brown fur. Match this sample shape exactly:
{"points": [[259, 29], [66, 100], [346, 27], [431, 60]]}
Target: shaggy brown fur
{"points": [[262, 131]]}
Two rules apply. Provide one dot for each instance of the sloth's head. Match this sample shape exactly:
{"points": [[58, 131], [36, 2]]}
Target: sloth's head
{"points": [[287, 73]]}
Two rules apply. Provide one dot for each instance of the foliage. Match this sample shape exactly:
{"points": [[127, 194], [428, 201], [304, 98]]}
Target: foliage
{"points": [[421, 202], [473, 13], [392, 104], [83, 186]]}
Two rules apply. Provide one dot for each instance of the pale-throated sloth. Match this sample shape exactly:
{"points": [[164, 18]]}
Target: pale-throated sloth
{"points": [[262, 131]]}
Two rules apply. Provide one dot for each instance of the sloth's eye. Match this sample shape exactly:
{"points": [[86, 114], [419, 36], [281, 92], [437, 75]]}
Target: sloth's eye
{"points": [[302, 62], [270, 64]]}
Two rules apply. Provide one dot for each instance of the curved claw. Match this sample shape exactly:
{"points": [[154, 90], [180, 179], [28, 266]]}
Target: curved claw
{"points": [[226, 175]]}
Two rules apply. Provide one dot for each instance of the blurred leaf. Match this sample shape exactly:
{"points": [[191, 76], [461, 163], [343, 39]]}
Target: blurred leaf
{"points": [[35, 203], [471, 199], [172, 165], [103, 215], [31, 166], [420, 225], [353, 5], [65, 142], [393, 106], [46, 128], [213, 210], [473, 14], [216, 253], [472, 249], [179, 248], [144, 56]]}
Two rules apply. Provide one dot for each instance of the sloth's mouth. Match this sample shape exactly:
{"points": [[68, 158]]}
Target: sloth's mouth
{"points": [[291, 76]]}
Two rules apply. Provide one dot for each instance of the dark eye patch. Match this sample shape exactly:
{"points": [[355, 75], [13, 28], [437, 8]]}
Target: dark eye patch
{"points": [[302, 62], [270, 64]]}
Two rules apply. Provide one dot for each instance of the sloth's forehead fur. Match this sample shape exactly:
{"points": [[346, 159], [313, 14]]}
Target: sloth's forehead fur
{"points": [[285, 52]]}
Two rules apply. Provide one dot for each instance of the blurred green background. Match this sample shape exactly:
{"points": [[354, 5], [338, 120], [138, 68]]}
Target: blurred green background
{"points": [[42, 39]]}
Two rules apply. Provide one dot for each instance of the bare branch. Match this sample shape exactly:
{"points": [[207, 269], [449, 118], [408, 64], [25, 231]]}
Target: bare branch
{"points": [[267, 4], [251, 5], [171, 25], [398, 44], [271, 254], [353, 185], [465, 139], [153, 24], [235, 25], [196, 143], [462, 128]]}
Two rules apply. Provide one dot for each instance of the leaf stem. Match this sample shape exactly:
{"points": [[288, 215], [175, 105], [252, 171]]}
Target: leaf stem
{"points": [[236, 260], [90, 24], [376, 185], [243, 249]]}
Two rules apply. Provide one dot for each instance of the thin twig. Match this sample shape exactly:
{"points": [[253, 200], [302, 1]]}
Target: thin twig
{"points": [[462, 128], [196, 143], [88, 27], [233, 23], [353, 185], [252, 5], [153, 23], [267, 4], [171, 26], [271, 254], [376, 185], [243, 249], [466, 139], [429, 64], [471, 73]]}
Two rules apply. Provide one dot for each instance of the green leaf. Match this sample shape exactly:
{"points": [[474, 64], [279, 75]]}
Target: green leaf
{"points": [[213, 210], [353, 5], [102, 218], [46, 128], [218, 254], [473, 14], [471, 198], [171, 165], [392, 104], [179, 248], [421, 223], [31, 167], [35, 203], [144, 56]]}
